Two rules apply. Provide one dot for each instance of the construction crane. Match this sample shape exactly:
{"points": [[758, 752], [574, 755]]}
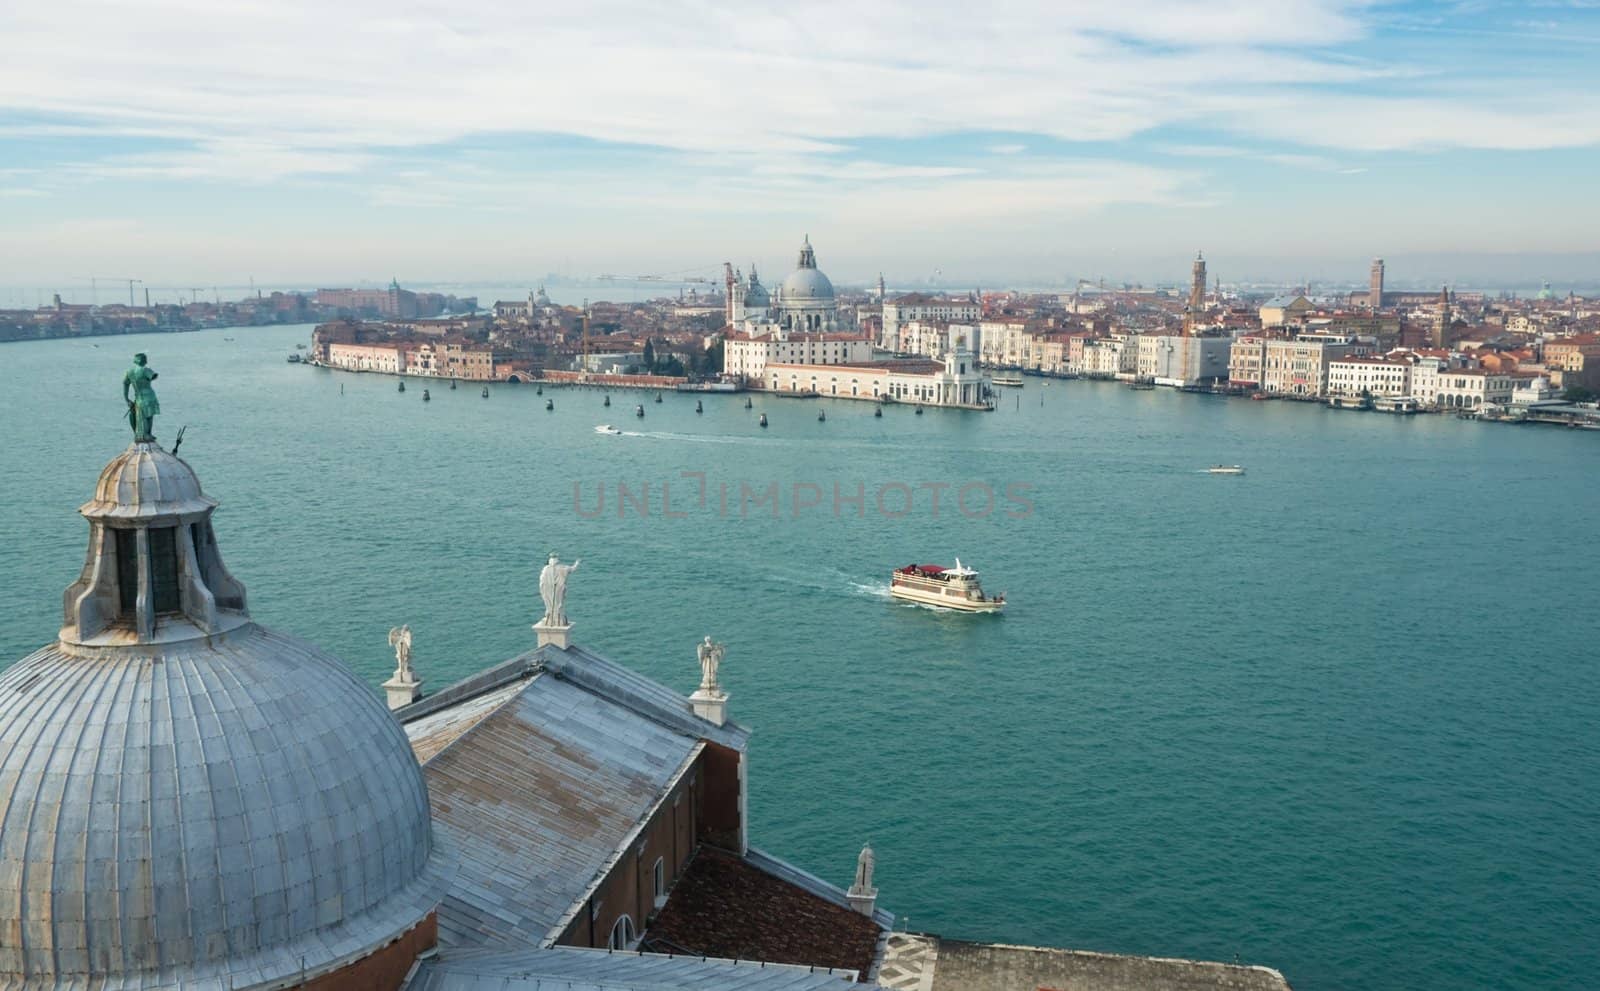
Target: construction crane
{"points": [[94, 286]]}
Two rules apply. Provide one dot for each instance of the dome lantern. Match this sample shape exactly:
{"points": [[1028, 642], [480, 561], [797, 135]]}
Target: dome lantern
{"points": [[153, 571]]}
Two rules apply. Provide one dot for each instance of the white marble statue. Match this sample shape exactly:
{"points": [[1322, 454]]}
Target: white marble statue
{"points": [[553, 589], [400, 640], [864, 864], [710, 659]]}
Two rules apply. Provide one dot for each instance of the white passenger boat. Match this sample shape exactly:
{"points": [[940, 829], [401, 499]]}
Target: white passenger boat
{"points": [[949, 588], [606, 428], [1225, 470], [1013, 381]]}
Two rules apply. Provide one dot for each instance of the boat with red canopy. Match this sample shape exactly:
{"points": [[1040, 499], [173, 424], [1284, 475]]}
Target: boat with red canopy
{"points": [[947, 588]]}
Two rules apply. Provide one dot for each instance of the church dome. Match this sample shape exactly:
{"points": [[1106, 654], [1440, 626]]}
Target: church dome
{"points": [[189, 798], [146, 481], [806, 284]]}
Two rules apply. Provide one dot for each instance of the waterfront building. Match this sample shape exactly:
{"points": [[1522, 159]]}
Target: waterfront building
{"points": [[747, 356], [932, 339], [1299, 366], [923, 307], [954, 380], [390, 302], [1472, 389], [1369, 376], [1116, 357], [1181, 360]]}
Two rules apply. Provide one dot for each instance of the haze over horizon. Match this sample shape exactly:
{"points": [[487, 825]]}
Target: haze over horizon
{"points": [[304, 144]]}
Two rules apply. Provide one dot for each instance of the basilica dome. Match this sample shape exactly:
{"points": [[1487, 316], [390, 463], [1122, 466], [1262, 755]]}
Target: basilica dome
{"points": [[192, 799], [806, 284]]}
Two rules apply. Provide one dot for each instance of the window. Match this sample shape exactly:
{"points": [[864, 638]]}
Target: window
{"points": [[660, 872], [622, 934]]}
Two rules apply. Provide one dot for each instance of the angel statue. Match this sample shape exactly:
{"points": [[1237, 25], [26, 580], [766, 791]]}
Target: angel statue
{"points": [[710, 659], [400, 640]]}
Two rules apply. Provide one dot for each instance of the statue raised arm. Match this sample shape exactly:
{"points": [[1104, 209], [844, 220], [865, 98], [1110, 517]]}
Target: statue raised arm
{"points": [[553, 590]]}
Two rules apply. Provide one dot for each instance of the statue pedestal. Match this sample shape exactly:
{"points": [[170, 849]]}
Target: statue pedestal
{"points": [[402, 693], [710, 705], [863, 900], [554, 636]]}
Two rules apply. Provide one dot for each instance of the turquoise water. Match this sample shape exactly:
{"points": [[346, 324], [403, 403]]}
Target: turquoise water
{"points": [[1336, 716]]}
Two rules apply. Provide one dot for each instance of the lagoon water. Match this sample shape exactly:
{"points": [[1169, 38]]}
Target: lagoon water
{"points": [[1337, 715]]}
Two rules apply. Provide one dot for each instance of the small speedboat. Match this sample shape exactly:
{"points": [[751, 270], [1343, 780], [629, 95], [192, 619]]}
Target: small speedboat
{"points": [[638, 411], [425, 396], [549, 404], [763, 420], [919, 410], [606, 428], [1225, 470], [294, 359]]}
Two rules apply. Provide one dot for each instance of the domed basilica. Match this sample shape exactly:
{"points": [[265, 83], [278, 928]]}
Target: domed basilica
{"points": [[804, 302]]}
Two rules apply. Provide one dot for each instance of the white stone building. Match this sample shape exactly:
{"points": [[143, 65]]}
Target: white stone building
{"points": [[954, 380], [1116, 356], [925, 308], [1369, 376], [747, 356]]}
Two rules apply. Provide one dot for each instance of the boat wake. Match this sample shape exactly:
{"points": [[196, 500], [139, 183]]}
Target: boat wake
{"points": [[875, 591]]}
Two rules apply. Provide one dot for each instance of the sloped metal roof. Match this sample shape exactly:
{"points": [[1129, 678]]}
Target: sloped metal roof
{"points": [[570, 969], [535, 797]]}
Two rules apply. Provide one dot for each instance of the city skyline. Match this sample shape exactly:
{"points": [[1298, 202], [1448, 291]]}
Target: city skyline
{"points": [[1288, 140]]}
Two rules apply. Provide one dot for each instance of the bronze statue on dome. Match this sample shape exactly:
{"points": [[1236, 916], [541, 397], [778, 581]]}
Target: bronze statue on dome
{"points": [[142, 404]]}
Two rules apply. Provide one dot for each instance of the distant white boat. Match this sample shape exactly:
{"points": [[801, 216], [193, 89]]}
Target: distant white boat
{"points": [[1225, 470], [606, 428], [1013, 381]]}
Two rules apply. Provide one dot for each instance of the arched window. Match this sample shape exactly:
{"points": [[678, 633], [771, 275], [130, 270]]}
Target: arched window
{"points": [[622, 934], [660, 876]]}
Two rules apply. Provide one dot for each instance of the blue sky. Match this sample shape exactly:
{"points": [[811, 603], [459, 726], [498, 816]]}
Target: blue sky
{"points": [[308, 143]]}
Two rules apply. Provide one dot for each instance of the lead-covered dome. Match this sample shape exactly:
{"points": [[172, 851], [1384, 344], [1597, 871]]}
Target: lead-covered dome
{"points": [[187, 798], [805, 284]]}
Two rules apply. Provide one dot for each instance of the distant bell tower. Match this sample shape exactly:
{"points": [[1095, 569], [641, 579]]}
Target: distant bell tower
{"points": [[1441, 326], [1197, 295], [882, 292], [1375, 286]]}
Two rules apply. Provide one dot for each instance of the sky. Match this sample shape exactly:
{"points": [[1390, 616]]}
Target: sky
{"points": [[294, 143]]}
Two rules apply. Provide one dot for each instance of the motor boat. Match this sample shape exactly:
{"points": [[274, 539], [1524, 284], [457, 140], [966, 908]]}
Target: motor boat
{"points": [[638, 411], [1225, 470], [425, 396], [606, 428], [607, 402]]}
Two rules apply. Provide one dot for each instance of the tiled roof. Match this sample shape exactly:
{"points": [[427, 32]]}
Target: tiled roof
{"points": [[571, 969], [727, 906]]}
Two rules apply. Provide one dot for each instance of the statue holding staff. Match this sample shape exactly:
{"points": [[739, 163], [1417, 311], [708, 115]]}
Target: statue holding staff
{"points": [[553, 590]]}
